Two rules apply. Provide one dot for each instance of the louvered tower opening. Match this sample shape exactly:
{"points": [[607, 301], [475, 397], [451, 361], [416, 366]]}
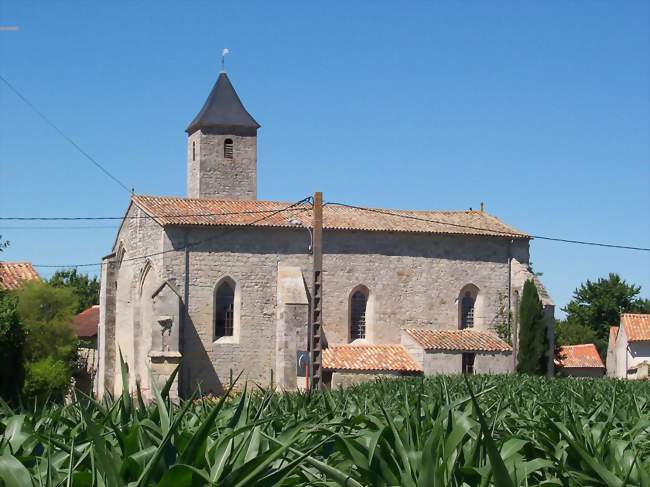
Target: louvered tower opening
{"points": [[227, 149]]}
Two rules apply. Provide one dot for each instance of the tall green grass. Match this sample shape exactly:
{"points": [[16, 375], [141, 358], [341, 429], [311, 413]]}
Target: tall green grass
{"points": [[439, 431]]}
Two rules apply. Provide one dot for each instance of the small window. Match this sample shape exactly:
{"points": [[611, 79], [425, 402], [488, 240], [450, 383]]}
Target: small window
{"points": [[227, 149], [194, 151], [358, 316], [224, 311], [467, 311], [468, 363]]}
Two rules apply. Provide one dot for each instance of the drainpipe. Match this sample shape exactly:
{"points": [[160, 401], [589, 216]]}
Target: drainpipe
{"points": [[514, 353], [186, 316]]}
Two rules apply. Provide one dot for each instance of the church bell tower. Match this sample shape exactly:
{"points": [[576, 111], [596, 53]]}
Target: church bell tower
{"points": [[222, 147]]}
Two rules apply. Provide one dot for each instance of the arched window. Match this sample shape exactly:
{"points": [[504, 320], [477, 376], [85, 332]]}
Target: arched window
{"points": [[224, 310], [194, 151], [358, 304], [467, 310], [227, 149]]}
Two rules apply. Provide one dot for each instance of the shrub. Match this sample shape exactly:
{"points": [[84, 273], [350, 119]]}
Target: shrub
{"points": [[47, 378]]}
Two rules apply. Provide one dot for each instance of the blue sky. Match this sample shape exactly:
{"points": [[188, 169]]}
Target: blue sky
{"points": [[541, 110]]}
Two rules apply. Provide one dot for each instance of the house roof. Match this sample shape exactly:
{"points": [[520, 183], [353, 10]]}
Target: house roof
{"points": [[582, 356], [223, 108], [369, 358], [637, 326], [466, 340], [85, 323], [14, 274], [169, 211]]}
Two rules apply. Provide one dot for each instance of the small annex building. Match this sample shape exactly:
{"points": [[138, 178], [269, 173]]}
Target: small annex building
{"points": [[220, 279], [15, 274], [85, 325], [628, 350], [350, 364], [580, 361]]}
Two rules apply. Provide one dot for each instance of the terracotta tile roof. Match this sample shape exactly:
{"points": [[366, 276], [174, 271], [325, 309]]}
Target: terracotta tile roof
{"points": [[637, 326], [459, 340], [369, 358], [585, 355], [85, 323], [13, 274], [187, 211]]}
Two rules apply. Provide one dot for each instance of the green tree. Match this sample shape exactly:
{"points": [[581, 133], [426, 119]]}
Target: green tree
{"points": [[47, 378], [573, 334], [12, 341], [85, 288], [46, 313], [532, 355], [598, 305]]}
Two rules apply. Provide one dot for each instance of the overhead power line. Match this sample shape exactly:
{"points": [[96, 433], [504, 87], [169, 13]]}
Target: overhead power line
{"points": [[504, 232], [133, 217], [188, 246], [269, 214], [62, 134]]}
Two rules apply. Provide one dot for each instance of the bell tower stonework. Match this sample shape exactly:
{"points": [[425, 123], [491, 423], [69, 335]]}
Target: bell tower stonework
{"points": [[222, 147]]}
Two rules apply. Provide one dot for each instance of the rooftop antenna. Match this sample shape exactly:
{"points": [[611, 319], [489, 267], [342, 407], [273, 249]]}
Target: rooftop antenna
{"points": [[223, 59]]}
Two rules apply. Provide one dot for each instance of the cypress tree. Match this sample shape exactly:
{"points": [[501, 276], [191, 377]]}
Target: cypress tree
{"points": [[533, 343]]}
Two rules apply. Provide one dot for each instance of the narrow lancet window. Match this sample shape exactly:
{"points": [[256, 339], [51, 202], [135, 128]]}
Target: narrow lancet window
{"points": [[224, 310], [194, 151], [467, 311], [227, 149], [358, 316]]}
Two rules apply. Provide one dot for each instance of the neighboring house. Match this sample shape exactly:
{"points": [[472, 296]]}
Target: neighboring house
{"points": [[220, 278], [85, 325], [580, 361], [14, 274], [631, 354]]}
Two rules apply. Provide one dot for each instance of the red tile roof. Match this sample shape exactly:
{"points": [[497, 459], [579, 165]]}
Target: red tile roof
{"points": [[466, 340], [85, 323], [187, 211], [585, 355], [637, 326], [14, 274], [369, 358]]}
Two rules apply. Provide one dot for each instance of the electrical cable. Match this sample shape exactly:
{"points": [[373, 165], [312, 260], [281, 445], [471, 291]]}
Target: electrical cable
{"points": [[505, 233], [188, 246], [60, 132]]}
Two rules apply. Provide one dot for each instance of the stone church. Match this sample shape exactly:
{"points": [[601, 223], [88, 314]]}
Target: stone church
{"points": [[218, 280]]}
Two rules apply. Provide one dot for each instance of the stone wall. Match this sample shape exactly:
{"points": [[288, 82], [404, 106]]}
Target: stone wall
{"points": [[122, 281], [349, 378], [494, 363], [414, 280], [211, 175]]}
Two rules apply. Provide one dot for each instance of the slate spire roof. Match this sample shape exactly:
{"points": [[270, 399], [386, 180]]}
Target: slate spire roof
{"points": [[223, 108]]}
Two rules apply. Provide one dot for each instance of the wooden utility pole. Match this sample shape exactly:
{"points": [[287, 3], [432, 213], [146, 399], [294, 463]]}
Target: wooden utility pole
{"points": [[316, 315]]}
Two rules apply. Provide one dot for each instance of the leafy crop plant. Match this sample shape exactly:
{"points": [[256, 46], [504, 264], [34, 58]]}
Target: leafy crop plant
{"points": [[437, 431]]}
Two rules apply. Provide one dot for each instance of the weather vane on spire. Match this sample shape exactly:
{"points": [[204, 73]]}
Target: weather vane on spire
{"points": [[223, 59]]}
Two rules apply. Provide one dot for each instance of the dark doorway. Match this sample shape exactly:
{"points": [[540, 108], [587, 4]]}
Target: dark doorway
{"points": [[468, 363]]}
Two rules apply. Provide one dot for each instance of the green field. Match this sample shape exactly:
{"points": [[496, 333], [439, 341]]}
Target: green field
{"points": [[425, 432]]}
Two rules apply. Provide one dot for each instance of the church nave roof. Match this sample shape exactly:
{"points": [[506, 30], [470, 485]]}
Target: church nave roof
{"points": [[169, 211]]}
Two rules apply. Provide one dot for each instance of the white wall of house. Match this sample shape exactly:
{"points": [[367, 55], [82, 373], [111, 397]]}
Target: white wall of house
{"points": [[629, 354]]}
